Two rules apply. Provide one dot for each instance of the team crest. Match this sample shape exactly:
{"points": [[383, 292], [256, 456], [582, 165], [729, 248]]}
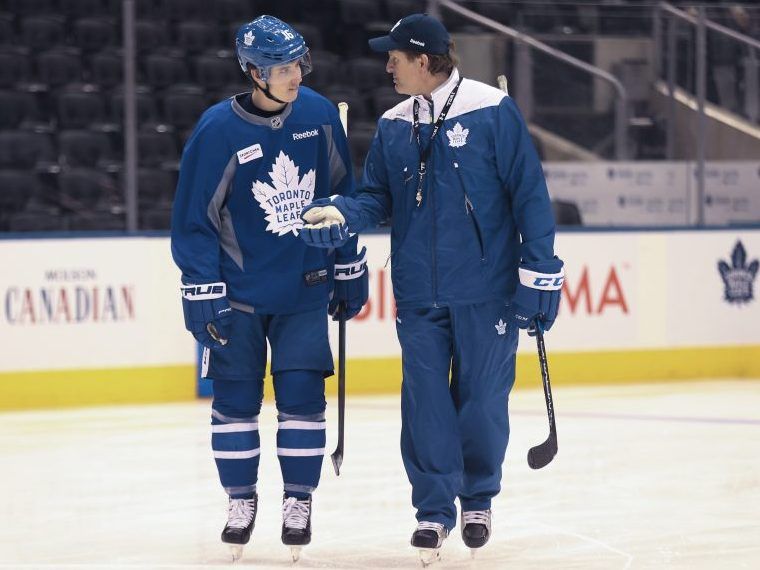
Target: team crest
{"points": [[284, 199], [248, 38], [457, 135], [501, 327], [276, 122], [739, 277]]}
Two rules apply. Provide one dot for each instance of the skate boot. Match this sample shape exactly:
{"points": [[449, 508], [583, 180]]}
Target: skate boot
{"points": [[296, 524], [476, 528], [241, 518], [428, 538]]}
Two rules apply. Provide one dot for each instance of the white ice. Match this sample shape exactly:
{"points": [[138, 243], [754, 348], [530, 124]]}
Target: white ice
{"points": [[647, 476]]}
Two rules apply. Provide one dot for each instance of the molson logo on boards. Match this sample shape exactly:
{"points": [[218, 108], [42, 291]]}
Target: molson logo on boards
{"points": [[69, 297]]}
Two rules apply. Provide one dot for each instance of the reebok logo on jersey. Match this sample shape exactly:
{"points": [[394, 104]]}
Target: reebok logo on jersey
{"points": [[249, 153], [305, 135]]}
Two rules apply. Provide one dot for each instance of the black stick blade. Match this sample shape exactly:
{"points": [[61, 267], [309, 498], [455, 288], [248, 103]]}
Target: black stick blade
{"points": [[541, 455], [337, 460]]}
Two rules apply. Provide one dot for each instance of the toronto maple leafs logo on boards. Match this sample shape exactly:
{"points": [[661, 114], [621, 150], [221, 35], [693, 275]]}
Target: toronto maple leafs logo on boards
{"points": [[738, 277], [284, 199], [457, 135]]}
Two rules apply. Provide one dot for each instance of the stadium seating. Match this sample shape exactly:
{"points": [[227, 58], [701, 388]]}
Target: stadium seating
{"points": [[62, 97], [25, 150]]}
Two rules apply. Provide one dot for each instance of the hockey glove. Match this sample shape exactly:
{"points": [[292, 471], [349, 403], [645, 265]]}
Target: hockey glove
{"points": [[537, 297], [327, 222], [207, 313], [351, 285]]}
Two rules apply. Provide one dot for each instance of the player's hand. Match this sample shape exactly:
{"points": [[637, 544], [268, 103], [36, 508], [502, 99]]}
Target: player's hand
{"points": [[536, 300], [208, 314], [351, 285]]}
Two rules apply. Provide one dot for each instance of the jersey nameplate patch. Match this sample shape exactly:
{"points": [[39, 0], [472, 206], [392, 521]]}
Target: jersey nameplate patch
{"points": [[249, 153], [315, 277]]}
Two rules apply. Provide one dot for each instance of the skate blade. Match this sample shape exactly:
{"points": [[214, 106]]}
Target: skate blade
{"points": [[429, 556], [295, 553], [236, 550]]}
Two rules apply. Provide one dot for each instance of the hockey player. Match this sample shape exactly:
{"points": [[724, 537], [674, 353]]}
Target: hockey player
{"points": [[251, 165], [472, 237]]}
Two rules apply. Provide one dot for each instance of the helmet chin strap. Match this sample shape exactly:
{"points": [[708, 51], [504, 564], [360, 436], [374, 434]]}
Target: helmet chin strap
{"points": [[265, 90]]}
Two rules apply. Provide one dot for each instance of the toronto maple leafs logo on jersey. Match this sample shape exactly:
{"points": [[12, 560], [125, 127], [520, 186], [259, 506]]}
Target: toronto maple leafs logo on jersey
{"points": [[284, 199], [501, 327], [738, 277], [457, 135]]}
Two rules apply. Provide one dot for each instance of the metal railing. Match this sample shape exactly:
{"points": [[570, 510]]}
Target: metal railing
{"points": [[701, 24], [523, 68]]}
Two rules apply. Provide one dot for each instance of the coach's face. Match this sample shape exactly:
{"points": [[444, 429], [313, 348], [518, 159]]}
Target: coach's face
{"points": [[408, 75]]}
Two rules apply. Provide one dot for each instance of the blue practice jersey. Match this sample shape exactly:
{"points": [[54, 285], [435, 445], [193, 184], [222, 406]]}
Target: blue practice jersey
{"points": [[243, 182]]}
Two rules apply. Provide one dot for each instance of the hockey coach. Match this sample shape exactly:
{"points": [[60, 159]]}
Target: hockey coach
{"points": [[472, 250]]}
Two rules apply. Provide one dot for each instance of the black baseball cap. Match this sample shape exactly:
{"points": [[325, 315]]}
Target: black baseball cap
{"points": [[418, 32]]}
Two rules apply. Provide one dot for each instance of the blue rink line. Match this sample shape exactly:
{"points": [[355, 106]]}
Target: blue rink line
{"points": [[641, 417]]}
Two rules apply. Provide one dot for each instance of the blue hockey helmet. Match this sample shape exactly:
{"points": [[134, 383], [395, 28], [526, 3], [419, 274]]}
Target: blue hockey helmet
{"points": [[268, 41]]}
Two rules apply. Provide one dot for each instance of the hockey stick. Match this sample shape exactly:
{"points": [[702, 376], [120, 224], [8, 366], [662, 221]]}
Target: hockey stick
{"points": [[337, 455], [542, 454], [501, 80], [343, 113]]}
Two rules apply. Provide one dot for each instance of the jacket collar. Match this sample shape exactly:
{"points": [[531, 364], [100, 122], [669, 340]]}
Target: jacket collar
{"points": [[440, 94]]}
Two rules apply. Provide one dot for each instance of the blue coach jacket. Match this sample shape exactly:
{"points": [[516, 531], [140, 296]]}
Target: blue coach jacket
{"points": [[485, 206]]}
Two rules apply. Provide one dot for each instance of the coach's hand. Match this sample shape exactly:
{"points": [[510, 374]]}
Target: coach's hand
{"points": [[327, 221], [538, 294]]}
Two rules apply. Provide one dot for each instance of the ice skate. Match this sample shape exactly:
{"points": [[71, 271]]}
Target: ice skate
{"points": [[476, 529], [241, 518], [296, 524], [428, 539]]}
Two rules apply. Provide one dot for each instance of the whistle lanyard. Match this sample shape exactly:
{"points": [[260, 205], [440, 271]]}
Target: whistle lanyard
{"points": [[425, 153]]}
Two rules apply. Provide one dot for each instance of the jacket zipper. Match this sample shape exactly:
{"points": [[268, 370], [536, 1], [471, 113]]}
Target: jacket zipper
{"points": [[470, 211], [433, 249]]}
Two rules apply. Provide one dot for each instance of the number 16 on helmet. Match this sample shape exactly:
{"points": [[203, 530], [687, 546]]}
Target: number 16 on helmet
{"points": [[267, 42]]}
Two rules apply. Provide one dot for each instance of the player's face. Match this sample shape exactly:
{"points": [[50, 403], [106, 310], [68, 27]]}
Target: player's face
{"points": [[407, 75], [284, 81]]}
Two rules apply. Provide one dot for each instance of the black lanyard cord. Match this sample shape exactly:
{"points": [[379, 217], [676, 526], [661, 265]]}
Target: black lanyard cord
{"points": [[425, 152]]}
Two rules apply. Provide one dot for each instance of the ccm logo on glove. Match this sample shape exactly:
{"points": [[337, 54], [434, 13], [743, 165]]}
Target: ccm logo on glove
{"points": [[535, 280]]}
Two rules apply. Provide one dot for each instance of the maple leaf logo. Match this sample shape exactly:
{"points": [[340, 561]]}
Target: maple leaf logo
{"points": [[738, 277], [458, 135], [501, 327], [284, 200]]}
